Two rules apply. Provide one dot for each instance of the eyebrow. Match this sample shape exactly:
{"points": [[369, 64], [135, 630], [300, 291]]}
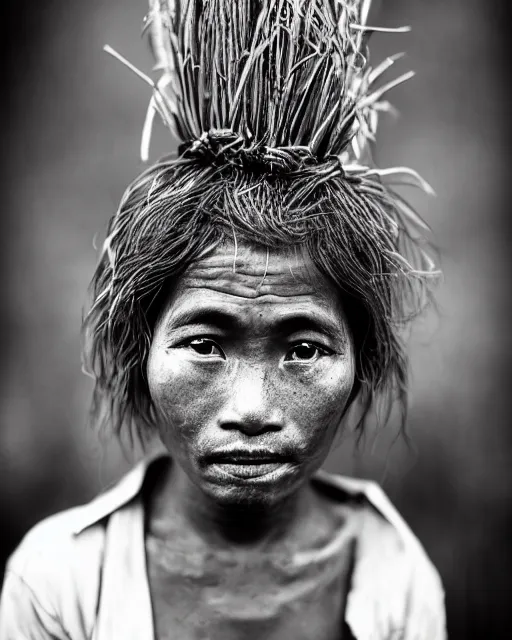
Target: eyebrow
{"points": [[295, 323], [286, 325], [214, 317]]}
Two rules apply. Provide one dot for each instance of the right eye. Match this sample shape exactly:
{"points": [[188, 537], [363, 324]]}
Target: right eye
{"points": [[205, 347]]}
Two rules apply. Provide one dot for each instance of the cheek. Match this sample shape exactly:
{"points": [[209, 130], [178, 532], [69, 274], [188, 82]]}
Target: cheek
{"points": [[317, 401], [182, 398], [323, 392]]}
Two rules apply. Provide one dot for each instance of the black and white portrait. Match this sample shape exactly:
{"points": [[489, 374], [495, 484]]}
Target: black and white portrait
{"points": [[255, 346]]}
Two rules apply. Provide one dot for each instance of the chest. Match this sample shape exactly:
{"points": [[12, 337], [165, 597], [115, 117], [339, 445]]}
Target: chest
{"points": [[199, 596]]}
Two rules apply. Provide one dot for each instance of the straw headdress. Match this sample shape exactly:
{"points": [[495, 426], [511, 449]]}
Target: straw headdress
{"points": [[275, 106]]}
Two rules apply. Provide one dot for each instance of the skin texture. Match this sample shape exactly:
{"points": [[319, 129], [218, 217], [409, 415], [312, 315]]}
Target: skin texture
{"points": [[252, 351]]}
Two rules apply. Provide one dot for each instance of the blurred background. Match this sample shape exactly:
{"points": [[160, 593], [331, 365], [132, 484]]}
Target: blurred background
{"points": [[71, 124]]}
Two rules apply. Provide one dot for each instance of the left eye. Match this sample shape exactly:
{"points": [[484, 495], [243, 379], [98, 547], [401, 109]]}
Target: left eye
{"points": [[304, 352]]}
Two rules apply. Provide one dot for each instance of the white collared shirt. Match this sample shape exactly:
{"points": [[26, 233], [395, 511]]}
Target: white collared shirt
{"points": [[81, 574]]}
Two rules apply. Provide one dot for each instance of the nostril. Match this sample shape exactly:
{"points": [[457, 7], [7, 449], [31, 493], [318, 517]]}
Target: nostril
{"points": [[250, 405]]}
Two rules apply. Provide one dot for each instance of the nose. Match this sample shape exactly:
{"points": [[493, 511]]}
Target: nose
{"points": [[251, 406]]}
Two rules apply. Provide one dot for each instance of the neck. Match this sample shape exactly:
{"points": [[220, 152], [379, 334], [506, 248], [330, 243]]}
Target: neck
{"points": [[177, 499]]}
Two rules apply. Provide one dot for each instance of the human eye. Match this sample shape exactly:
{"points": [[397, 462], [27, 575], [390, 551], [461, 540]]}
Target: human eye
{"points": [[306, 352], [204, 347]]}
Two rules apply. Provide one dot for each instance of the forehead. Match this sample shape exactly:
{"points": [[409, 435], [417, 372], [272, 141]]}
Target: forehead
{"points": [[256, 274], [253, 272], [256, 288]]}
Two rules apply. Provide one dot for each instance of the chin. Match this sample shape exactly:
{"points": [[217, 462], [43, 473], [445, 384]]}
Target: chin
{"points": [[263, 491]]}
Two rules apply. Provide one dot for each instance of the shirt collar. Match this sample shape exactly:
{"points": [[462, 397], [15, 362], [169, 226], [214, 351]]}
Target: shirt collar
{"points": [[114, 498]]}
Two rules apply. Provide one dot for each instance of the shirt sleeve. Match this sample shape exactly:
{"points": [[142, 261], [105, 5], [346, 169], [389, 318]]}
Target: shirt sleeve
{"points": [[425, 611], [24, 614]]}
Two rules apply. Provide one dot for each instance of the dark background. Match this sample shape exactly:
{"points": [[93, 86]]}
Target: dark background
{"points": [[71, 122]]}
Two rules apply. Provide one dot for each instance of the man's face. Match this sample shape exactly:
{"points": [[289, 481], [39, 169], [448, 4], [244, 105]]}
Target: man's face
{"points": [[250, 370]]}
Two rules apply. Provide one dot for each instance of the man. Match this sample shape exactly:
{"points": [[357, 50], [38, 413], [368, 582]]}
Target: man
{"points": [[249, 294]]}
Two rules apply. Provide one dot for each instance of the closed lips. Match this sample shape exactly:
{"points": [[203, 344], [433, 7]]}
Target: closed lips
{"points": [[246, 458]]}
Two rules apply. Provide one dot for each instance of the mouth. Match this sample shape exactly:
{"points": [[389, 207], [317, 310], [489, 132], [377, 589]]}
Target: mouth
{"points": [[248, 464]]}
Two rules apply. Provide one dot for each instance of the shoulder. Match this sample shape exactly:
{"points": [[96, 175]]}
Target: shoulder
{"points": [[379, 519], [52, 580], [70, 534], [395, 586], [55, 544], [53, 577], [76, 531]]}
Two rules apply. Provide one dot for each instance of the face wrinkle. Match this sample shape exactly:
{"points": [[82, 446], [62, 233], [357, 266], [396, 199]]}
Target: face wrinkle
{"points": [[201, 409]]}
